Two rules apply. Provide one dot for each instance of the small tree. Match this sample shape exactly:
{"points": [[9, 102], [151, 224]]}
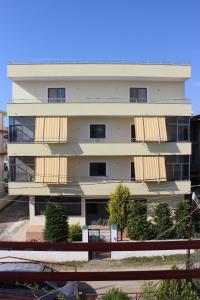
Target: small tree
{"points": [[182, 219], [137, 226], [163, 221], [75, 232], [56, 223], [116, 294], [119, 206]]}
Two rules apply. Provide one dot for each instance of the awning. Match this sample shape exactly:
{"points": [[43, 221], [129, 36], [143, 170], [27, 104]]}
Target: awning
{"points": [[150, 168], [51, 129], [51, 169], [150, 129]]}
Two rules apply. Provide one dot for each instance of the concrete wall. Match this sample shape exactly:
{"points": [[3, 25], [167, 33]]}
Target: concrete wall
{"points": [[88, 90], [117, 255]]}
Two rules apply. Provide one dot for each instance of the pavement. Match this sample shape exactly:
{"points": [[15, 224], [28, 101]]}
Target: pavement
{"points": [[14, 220]]}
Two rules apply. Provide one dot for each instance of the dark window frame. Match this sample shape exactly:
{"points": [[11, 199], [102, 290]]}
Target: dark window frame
{"points": [[14, 129], [56, 99], [92, 131], [93, 172], [137, 98], [178, 124], [175, 169]]}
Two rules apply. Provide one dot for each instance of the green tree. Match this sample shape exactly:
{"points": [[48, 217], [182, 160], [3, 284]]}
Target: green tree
{"points": [[56, 223], [182, 219], [137, 226], [119, 206], [148, 291], [163, 221], [115, 294]]}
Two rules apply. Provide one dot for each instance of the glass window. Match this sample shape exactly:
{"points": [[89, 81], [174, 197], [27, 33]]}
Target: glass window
{"points": [[21, 169], [138, 94], [183, 133], [56, 94], [178, 167], [21, 129], [71, 205], [133, 137], [172, 133], [97, 131], [178, 128], [132, 171], [97, 169]]}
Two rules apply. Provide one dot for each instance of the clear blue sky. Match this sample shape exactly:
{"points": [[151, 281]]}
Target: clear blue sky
{"points": [[155, 30]]}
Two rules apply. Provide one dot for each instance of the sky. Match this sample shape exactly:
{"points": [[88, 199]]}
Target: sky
{"points": [[136, 30]]}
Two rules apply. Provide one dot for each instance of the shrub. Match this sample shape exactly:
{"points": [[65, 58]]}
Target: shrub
{"points": [[116, 294], [182, 219], [137, 226], [75, 232], [56, 223], [163, 221]]}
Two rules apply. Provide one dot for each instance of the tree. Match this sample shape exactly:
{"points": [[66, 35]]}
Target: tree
{"points": [[119, 206], [75, 232], [182, 219], [115, 294], [137, 226], [163, 221], [56, 223]]}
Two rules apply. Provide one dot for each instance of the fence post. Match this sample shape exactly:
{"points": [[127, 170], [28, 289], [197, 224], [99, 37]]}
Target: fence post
{"points": [[113, 233], [85, 234]]}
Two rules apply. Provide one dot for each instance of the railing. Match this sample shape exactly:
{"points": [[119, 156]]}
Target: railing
{"points": [[101, 100]]}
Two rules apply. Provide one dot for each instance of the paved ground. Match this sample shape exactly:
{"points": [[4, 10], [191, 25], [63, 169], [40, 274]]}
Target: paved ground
{"points": [[14, 220]]}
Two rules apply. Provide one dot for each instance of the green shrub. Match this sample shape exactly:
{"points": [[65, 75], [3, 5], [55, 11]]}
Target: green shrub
{"points": [[116, 294], [163, 221], [56, 223], [75, 232], [182, 218], [138, 227]]}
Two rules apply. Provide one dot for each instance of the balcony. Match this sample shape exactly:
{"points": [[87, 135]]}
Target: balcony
{"points": [[99, 107]]}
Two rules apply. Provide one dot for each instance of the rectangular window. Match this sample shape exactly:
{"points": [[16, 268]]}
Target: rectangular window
{"points": [[21, 129], [178, 167], [178, 129], [133, 137], [56, 95], [132, 171], [71, 205], [97, 131], [98, 169], [21, 169], [138, 94]]}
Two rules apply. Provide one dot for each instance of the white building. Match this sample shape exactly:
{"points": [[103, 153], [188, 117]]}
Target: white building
{"points": [[76, 130]]}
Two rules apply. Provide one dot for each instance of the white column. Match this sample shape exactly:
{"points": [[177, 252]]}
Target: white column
{"points": [[113, 233], [85, 234], [31, 208]]}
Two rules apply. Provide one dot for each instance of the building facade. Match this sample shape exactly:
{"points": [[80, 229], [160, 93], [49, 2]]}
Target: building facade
{"points": [[195, 159], [77, 130], [2, 151]]}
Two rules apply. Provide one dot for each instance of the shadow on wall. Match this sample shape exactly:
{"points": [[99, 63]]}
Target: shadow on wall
{"points": [[70, 188], [163, 148], [61, 149], [162, 187]]}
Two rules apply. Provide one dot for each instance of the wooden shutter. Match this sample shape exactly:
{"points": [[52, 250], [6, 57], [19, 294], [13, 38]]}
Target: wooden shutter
{"points": [[39, 169], [139, 129], [63, 129], [39, 129], [150, 168]]}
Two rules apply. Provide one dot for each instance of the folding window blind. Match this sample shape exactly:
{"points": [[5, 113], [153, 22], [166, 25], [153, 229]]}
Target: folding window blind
{"points": [[149, 129], [51, 129], [51, 170], [150, 168]]}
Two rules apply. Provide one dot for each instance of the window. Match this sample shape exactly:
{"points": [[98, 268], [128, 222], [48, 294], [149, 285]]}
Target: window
{"points": [[133, 137], [21, 169], [138, 94], [71, 205], [97, 131], [21, 129], [132, 171], [178, 129], [178, 167], [56, 94], [98, 169]]}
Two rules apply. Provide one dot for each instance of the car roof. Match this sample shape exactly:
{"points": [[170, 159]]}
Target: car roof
{"points": [[21, 267]]}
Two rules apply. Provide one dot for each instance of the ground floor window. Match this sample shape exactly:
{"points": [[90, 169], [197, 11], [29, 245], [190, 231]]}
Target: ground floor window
{"points": [[71, 205]]}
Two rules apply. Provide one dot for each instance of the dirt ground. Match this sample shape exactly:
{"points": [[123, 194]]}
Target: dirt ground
{"points": [[14, 220]]}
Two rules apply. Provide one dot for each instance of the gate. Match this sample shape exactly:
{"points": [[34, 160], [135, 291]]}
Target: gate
{"points": [[103, 235]]}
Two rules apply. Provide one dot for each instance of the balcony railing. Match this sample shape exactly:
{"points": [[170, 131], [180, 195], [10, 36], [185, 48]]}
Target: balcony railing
{"points": [[100, 100]]}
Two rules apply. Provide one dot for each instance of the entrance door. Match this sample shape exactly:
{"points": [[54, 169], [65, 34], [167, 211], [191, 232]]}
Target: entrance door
{"points": [[96, 213]]}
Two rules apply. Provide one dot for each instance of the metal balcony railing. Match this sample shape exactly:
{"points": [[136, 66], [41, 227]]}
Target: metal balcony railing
{"points": [[100, 100]]}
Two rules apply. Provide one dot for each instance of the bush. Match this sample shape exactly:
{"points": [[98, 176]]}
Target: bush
{"points": [[137, 226], [182, 218], [116, 294], [164, 221], [56, 223], [75, 232]]}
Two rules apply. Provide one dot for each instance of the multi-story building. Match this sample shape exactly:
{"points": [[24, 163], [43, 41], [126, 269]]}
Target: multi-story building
{"points": [[195, 161], [78, 129], [2, 151]]}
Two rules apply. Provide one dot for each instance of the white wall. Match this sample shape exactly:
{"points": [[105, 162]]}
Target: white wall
{"points": [[78, 90], [116, 255]]}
